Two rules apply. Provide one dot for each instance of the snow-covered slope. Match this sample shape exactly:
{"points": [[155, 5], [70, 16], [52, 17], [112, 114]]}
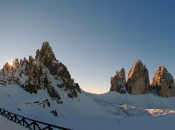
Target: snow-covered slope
{"points": [[5, 124], [111, 110], [135, 105], [17, 100]]}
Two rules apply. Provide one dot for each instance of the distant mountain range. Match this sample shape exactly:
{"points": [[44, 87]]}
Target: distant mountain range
{"points": [[138, 81]]}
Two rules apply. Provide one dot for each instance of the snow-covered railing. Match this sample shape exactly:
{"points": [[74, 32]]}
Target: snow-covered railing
{"points": [[29, 123]]}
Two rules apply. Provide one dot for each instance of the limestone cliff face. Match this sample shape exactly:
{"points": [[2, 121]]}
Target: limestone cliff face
{"points": [[43, 72], [118, 82], [163, 82], [138, 79]]}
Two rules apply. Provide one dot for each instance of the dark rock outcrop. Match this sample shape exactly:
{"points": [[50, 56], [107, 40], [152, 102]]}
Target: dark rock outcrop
{"points": [[118, 82]]}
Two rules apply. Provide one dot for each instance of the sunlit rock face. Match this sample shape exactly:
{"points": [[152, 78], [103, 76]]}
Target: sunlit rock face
{"points": [[42, 72], [163, 82], [118, 82], [138, 79]]}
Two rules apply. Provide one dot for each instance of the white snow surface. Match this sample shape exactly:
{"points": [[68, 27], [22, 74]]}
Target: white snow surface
{"points": [[107, 111], [5, 124]]}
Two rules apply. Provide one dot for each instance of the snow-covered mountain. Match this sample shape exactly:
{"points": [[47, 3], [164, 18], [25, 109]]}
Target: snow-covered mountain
{"points": [[41, 88], [43, 72]]}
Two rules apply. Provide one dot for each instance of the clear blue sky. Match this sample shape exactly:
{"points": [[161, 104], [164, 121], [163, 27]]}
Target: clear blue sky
{"points": [[93, 38]]}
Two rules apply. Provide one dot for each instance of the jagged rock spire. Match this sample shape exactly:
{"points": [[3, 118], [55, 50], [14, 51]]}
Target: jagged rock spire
{"points": [[118, 82], [37, 54], [163, 82], [31, 60], [45, 55], [138, 79]]}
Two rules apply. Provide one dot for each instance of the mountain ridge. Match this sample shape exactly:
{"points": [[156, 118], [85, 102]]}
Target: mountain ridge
{"points": [[138, 81], [32, 74]]}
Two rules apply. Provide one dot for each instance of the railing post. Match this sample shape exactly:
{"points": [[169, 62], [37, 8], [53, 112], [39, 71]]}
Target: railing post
{"points": [[34, 125], [49, 128], [23, 121]]}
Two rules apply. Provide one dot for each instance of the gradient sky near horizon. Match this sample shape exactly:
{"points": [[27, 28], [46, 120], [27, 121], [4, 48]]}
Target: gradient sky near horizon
{"points": [[93, 38]]}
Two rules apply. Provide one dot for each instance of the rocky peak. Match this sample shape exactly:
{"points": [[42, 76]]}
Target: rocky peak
{"points": [[163, 82], [24, 62], [43, 72], [31, 60], [46, 54], [37, 54], [16, 63], [138, 79], [118, 82]]}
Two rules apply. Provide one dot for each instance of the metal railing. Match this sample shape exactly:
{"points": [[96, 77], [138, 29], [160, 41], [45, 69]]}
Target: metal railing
{"points": [[29, 123]]}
